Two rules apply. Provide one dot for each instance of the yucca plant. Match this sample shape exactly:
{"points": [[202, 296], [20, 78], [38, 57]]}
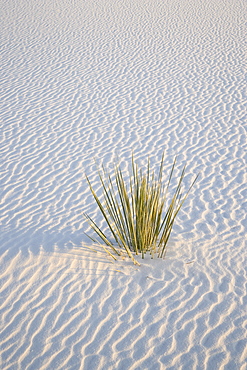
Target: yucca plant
{"points": [[138, 213]]}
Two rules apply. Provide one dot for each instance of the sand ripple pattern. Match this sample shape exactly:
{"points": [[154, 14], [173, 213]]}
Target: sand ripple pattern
{"points": [[97, 79], [65, 311]]}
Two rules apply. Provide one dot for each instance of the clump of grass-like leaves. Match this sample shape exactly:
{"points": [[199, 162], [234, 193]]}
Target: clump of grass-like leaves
{"points": [[139, 216]]}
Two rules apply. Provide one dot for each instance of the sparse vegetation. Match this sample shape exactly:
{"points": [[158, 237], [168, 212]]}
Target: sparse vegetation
{"points": [[139, 212]]}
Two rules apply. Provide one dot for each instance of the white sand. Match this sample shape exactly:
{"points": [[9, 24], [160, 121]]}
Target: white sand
{"points": [[83, 79]]}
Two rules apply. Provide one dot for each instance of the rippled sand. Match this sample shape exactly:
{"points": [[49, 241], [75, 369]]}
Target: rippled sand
{"points": [[84, 80]]}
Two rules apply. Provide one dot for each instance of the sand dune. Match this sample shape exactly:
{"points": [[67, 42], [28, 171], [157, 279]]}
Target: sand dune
{"points": [[84, 80]]}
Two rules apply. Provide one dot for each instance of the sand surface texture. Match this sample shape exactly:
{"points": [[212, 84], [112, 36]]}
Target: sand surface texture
{"points": [[84, 79]]}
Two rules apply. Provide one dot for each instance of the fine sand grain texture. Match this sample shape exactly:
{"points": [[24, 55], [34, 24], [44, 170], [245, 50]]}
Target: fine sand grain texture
{"points": [[83, 79]]}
